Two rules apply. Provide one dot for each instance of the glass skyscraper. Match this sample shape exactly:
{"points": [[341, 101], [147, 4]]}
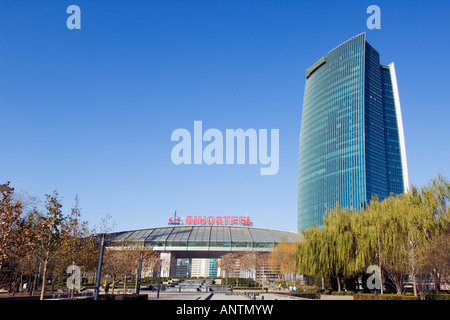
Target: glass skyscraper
{"points": [[352, 145]]}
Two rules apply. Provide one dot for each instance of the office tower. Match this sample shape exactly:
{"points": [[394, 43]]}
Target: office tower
{"points": [[352, 145]]}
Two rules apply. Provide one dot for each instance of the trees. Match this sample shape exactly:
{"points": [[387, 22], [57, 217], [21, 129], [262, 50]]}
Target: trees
{"points": [[16, 234], [404, 235], [40, 244], [122, 260], [371, 227], [248, 262], [393, 257], [330, 251], [50, 230], [10, 225], [34, 242], [15, 239], [262, 266], [77, 246], [283, 256], [339, 245], [113, 265], [255, 264], [227, 263], [150, 259], [436, 249], [417, 225], [34, 234]]}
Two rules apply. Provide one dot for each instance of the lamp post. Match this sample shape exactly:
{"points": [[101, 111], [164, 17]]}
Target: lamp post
{"points": [[99, 267], [159, 279], [138, 284]]}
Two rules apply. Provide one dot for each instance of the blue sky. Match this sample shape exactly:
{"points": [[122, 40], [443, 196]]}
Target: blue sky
{"points": [[91, 111]]}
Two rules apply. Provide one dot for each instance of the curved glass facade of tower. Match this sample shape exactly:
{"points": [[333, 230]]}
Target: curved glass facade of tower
{"points": [[351, 140]]}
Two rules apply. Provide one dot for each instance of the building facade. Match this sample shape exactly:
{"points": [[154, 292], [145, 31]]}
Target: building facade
{"points": [[352, 145], [194, 251]]}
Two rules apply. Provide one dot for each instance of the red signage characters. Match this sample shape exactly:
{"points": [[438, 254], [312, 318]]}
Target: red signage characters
{"points": [[219, 220]]}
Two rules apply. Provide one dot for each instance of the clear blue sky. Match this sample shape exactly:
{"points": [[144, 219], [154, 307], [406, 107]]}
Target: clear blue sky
{"points": [[91, 111]]}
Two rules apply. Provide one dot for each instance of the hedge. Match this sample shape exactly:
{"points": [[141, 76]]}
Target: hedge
{"points": [[309, 295], [252, 289], [439, 296], [383, 297], [122, 297]]}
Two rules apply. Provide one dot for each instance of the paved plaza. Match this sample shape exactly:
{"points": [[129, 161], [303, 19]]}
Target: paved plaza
{"points": [[188, 296]]}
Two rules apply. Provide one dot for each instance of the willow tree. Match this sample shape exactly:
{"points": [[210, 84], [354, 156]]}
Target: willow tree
{"points": [[395, 240], [339, 252], [418, 225], [313, 254], [308, 252], [372, 227], [440, 202], [435, 251], [404, 235]]}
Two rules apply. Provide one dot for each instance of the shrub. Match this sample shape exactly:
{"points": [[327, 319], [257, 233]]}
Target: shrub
{"points": [[394, 297], [246, 288], [439, 296], [338, 293], [309, 295], [383, 297], [349, 293], [363, 296], [123, 297], [306, 288]]}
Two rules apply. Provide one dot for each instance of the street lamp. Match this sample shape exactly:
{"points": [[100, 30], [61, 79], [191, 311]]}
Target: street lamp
{"points": [[99, 267], [138, 284], [159, 279]]}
